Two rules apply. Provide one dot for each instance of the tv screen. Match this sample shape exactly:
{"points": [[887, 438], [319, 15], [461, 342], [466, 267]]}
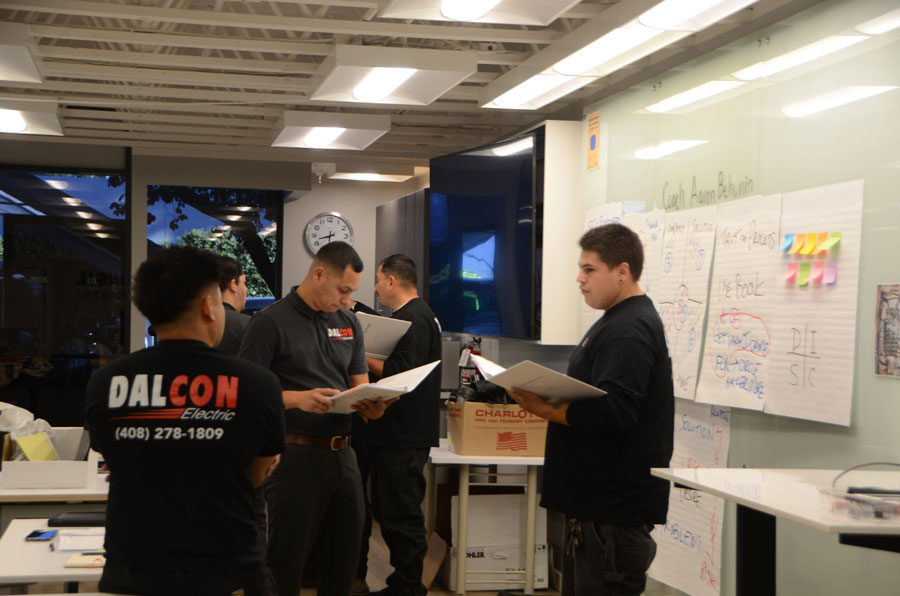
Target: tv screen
{"points": [[482, 240]]}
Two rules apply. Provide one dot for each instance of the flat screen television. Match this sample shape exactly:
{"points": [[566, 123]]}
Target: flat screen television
{"points": [[484, 238]]}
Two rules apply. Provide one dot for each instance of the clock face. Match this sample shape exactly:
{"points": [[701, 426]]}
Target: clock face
{"points": [[325, 228]]}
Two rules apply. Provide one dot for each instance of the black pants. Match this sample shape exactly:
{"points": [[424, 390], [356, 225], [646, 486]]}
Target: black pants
{"points": [[315, 502], [362, 448], [398, 489], [123, 580], [606, 560]]}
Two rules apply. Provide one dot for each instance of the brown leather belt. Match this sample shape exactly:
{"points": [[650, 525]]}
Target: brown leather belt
{"points": [[335, 443]]}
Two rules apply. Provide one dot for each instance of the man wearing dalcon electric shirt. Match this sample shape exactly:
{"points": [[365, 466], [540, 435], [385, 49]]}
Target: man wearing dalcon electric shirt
{"points": [[314, 345], [187, 432]]}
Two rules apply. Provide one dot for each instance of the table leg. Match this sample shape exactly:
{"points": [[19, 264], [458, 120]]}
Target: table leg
{"points": [[430, 499], [71, 587], [755, 552], [530, 523], [462, 549]]}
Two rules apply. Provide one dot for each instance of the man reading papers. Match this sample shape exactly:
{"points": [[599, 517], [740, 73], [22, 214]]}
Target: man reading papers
{"points": [[600, 449], [402, 438]]}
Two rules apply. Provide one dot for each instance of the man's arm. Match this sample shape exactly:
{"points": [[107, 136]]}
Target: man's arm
{"points": [[312, 400], [376, 366], [262, 467], [538, 406]]}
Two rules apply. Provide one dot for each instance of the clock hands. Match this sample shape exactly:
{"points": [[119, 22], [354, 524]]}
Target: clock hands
{"points": [[328, 237]]}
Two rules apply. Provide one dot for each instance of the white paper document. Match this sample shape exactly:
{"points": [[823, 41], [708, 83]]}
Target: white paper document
{"points": [[87, 540], [381, 334], [540, 380], [388, 387]]}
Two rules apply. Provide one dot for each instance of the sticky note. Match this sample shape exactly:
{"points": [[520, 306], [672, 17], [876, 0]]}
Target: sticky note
{"points": [[809, 245], [820, 240], [803, 277], [832, 241], [788, 242], [37, 447], [791, 273], [818, 270], [799, 241], [831, 271]]}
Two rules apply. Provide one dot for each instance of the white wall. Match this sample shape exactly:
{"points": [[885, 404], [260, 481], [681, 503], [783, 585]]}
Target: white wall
{"points": [[357, 201]]}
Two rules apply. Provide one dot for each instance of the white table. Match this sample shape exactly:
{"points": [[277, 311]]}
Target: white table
{"points": [[16, 503], [442, 456], [762, 495], [23, 562]]}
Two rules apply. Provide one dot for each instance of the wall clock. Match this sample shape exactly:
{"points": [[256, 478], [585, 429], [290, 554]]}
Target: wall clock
{"points": [[325, 228]]}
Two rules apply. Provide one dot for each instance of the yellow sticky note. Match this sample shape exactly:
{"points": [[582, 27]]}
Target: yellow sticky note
{"points": [[833, 240], [37, 447], [809, 245], [799, 241], [803, 276]]}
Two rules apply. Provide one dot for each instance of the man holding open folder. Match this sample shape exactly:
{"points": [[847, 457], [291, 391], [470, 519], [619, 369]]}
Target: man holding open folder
{"points": [[401, 439], [600, 450]]}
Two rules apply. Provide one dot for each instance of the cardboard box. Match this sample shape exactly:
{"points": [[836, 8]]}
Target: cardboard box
{"points": [[494, 429], [496, 567], [63, 473]]}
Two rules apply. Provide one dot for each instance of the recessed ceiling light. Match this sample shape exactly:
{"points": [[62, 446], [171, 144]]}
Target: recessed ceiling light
{"points": [[58, 184], [467, 10], [12, 121], [613, 44], [243, 207], [691, 95], [84, 214], [71, 201], [322, 136], [690, 14], [95, 226], [381, 82], [225, 227], [531, 89], [101, 235], [834, 99], [369, 177], [233, 217], [883, 24]]}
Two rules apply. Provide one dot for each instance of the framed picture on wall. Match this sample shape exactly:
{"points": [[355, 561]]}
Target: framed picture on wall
{"points": [[887, 330]]}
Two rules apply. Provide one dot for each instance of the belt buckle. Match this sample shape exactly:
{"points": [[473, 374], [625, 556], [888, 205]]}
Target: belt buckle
{"points": [[331, 444]]}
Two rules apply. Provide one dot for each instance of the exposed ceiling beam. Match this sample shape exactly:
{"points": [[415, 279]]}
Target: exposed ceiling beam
{"points": [[275, 23]]}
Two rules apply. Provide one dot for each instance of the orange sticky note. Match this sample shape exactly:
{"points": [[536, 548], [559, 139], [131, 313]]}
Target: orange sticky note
{"points": [[818, 270], [799, 241], [820, 241], [833, 240], [809, 245], [803, 277], [791, 273]]}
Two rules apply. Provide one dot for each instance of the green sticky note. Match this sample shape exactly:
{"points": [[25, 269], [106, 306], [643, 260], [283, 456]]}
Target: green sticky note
{"points": [[803, 277]]}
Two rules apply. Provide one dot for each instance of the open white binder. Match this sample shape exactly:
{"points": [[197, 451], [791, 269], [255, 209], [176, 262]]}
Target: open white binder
{"points": [[388, 387], [540, 380], [381, 334]]}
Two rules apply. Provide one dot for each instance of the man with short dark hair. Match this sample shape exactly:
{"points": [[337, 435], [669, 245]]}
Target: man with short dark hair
{"points": [[401, 439], [233, 284], [187, 432], [315, 348], [600, 450]]}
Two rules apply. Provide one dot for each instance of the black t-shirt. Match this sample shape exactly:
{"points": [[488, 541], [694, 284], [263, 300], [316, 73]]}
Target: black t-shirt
{"points": [[179, 425], [235, 325], [598, 467], [414, 420], [307, 349]]}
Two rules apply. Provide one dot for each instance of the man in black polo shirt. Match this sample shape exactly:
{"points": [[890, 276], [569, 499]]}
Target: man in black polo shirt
{"points": [[401, 439], [234, 297], [187, 431], [600, 450], [315, 347]]}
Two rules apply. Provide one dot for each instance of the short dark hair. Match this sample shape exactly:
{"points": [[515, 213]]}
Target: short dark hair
{"points": [[231, 270], [338, 256], [615, 244], [168, 282], [400, 266]]}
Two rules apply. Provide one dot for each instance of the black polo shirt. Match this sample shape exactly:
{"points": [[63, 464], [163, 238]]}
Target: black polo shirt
{"points": [[307, 349], [414, 421], [235, 325]]}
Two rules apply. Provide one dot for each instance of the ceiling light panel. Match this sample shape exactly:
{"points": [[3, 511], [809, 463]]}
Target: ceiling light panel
{"points": [[690, 15], [420, 76], [834, 99], [360, 130], [16, 54], [883, 24], [510, 12], [696, 94], [807, 53]]}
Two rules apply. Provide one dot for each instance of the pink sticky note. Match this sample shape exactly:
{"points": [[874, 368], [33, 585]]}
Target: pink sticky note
{"points": [[791, 273], [831, 271], [818, 269], [803, 277], [799, 241]]}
